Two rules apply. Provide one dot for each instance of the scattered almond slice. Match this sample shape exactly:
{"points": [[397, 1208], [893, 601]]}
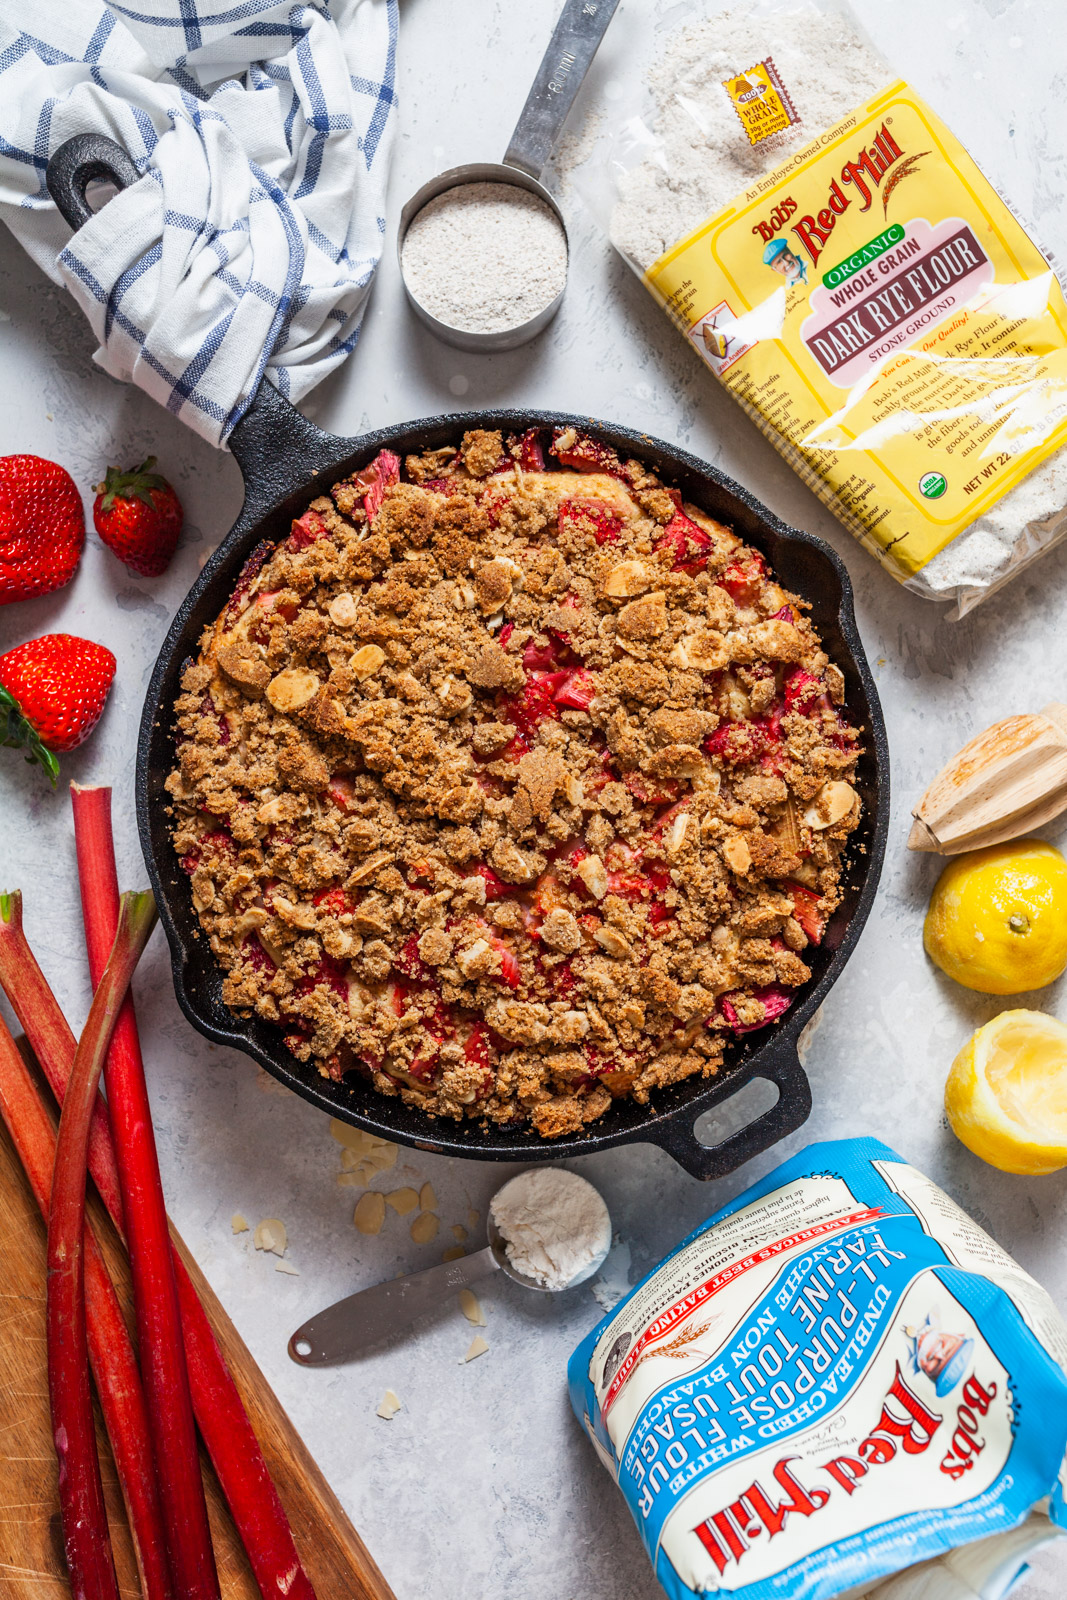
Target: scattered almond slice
{"points": [[478, 1347], [344, 1133], [471, 1307], [402, 1201], [357, 1179], [472, 1219], [455, 1252], [390, 1406], [287, 1267], [459, 1232], [350, 1159], [270, 1234], [427, 1198], [238, 1223], [382, 1156], [424, 1228], [370, 1212]]}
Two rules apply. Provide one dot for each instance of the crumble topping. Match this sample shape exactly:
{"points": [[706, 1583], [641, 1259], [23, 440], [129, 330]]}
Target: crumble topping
{"points": [[512, 782]]}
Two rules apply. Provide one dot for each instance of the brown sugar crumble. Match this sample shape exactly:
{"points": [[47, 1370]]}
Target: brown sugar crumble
{"points": [[512, 782]]}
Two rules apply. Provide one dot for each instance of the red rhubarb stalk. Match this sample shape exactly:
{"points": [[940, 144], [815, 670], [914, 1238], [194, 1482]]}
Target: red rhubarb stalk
{"points": [[155, 1292], [81, 1495], [228, 1434], [114, 1365]]}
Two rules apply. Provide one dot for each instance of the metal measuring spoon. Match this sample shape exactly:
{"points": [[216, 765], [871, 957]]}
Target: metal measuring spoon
{"points": [[573, 45], [344, 1330]]}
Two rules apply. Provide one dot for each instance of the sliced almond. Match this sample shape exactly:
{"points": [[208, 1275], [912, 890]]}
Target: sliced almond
{"points": [[594, 875], [288, 1268], [459, 1232], [270, 1235], [833, 802], [478, 1347], [389, 1407], [675, 836], [292, 688], [628, 578], [737, 855], [706, 651], [611, 940], [403, 1201], [383, 1155], [366, 661], [471, 1307], [469, 961], [572, 788], [424, 1228], [367, 869], [427, 1198], [238, 1223], [343, 611], [357, 1177], [455, 1252], [249, 921], [370, 1212]]}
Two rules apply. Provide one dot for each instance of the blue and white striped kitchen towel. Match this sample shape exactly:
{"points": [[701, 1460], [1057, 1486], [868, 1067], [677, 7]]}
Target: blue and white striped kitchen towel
{"points": [[262, 132]]}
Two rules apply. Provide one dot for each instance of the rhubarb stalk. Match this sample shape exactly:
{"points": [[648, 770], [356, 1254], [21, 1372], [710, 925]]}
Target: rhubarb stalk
{"points": [[81, 1495], [163, 1365], [114, 1365], [231, 1442]]}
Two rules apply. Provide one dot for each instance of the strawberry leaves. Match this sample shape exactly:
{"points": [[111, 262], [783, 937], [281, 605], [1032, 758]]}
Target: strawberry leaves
{"points": [[18, 733]]}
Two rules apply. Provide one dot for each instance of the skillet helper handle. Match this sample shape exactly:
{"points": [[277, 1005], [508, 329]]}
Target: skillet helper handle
{"points": [[346, 1329], [573, 45], [80, 161], [781, 1066]]}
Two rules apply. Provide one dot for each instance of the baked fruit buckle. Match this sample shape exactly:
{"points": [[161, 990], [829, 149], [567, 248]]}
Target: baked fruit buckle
{"points": [[512, 782]]}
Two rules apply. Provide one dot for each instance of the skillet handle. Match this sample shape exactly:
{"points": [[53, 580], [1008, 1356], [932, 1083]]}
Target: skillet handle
{"points": [[277, 450], [781, 1066], [76, 163]]}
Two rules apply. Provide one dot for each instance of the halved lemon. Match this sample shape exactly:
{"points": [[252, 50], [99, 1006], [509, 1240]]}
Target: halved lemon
{"points": [[1006, 1094]]}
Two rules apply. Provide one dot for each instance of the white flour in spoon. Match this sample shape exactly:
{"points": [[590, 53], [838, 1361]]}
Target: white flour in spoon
{"points": [[485, 257], [554, 1225]]}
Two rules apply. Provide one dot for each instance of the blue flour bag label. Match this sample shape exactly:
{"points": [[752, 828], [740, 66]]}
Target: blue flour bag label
{"points": [[837, 1377]]}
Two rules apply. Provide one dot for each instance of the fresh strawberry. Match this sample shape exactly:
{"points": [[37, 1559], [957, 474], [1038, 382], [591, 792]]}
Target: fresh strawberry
{"points": [[248, 574], [804, 692], [342, 790], [336, 901], [577, 450], [743, 579], [409, 962], [648, 792], [578, 691], [306, 530], [139, 517], [687, 542], [374, 479], [42, 527], [774, 999], [526, 449], [806, 910], [52, 691], [604, 524], [535, 703], [495, 888]]}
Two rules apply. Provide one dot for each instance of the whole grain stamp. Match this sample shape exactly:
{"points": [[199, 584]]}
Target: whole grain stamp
{"points": [[512, 782]]}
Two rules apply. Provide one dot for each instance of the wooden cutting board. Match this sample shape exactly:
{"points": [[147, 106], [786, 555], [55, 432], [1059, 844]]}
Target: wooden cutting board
{"points": [[32, 1566]]}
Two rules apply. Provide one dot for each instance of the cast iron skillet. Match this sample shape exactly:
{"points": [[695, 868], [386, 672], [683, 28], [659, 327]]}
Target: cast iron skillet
{"points": [[286, 462]]}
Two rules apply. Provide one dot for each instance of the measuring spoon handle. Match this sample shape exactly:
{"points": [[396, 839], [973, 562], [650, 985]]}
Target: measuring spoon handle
{"points": [[344, 1330], [581, 27]]}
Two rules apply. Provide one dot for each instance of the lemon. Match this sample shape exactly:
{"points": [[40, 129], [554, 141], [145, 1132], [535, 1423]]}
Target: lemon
{"points": [[1006, 1094], [998, 917]]}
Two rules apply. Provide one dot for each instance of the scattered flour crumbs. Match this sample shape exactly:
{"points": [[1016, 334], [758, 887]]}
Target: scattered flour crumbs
{"points": [[701, 159]]}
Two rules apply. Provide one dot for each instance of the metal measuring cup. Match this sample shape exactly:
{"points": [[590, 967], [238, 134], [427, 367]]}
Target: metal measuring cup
{"points": [[343, 1331], [571, 49]]}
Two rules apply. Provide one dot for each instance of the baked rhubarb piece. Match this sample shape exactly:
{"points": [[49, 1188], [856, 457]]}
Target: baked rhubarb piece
{"points": [[512, 782]]}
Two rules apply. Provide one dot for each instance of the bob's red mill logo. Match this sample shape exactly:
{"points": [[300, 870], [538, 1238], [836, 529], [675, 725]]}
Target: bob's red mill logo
{"points": [[861, 177]]}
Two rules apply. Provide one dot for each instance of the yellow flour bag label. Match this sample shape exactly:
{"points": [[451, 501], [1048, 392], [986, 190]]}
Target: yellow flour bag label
{"points": [[888, 324]]}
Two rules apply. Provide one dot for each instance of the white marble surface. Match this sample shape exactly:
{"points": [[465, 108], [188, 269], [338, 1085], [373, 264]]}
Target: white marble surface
{"points": [[482, 1484]]}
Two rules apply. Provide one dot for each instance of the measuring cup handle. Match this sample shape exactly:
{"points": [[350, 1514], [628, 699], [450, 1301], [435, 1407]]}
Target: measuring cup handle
{"points": [[344, 1330], [579, 31]]}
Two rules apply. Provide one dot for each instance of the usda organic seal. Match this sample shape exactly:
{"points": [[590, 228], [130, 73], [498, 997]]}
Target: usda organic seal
{"points": [[933, 485]]}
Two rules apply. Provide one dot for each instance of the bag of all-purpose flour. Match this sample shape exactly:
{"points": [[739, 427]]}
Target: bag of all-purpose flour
{"points": [[839, 1377]]}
